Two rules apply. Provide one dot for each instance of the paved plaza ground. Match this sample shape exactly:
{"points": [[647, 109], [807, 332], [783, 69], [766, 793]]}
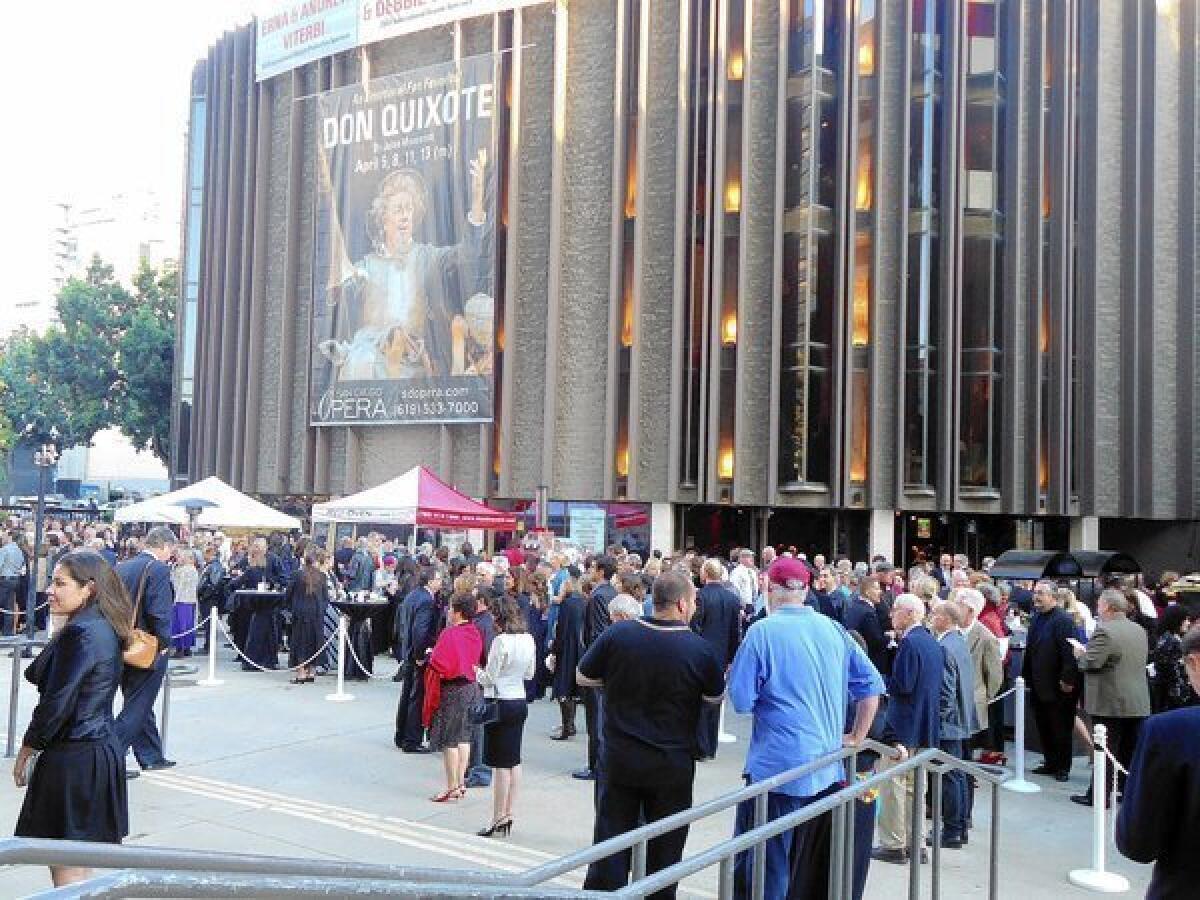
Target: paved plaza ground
{"points": [[270, 767]]}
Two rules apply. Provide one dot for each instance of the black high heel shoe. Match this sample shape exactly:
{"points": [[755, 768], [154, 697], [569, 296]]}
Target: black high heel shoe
{"points": [[500, 827]]}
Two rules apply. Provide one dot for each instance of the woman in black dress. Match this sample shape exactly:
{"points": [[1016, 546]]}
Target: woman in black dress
{"points": [[510, 663], [566, 651], [307, 597], [77, 787]]}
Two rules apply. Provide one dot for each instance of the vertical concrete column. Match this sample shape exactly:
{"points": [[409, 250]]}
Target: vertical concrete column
{"points": [[1085, 533], [882, 538], [662, 527]]}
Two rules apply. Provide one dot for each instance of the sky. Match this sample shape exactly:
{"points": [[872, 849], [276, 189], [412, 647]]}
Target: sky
{"points": [[96, 104]]}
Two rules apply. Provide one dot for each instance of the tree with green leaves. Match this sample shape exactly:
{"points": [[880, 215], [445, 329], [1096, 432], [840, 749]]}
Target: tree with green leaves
{"points": [[107, 363]]}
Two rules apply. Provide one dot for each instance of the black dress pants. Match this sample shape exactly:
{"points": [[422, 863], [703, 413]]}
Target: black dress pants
{"points": [[1122, 741], [590, 703], [1055, 720], [621, 808], [409, 730]]}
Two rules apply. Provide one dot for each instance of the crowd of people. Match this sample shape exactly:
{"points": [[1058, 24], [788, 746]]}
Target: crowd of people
{"points": [[821, 653]]}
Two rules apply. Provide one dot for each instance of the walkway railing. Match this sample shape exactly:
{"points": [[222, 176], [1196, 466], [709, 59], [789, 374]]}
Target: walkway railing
{"points": [[164, 872]]}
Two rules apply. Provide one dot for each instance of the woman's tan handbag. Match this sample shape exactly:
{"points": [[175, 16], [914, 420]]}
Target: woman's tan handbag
{"points": [[143, 647]]}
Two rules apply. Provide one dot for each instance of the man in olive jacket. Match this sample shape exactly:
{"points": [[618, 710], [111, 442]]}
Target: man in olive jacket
{"points": [[1116, 693]]}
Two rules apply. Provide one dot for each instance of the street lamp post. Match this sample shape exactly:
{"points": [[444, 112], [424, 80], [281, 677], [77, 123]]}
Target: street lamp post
{"points": [[45, 458]]}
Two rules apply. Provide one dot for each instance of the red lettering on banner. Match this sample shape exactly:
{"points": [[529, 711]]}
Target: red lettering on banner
{"points": [[274, 23], [304, 35], [393, 7]]}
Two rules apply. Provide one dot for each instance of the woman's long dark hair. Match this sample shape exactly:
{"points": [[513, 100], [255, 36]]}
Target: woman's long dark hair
{"points": [[314, 578], [110, 597], [510, 617]]}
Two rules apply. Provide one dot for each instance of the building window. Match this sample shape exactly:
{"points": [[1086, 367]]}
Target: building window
{"points": [[702, 39], [981, 324], [923, 285], [809, 251], [628, 175]]}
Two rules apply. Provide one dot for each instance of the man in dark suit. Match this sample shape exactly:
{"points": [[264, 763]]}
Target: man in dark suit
{"points": [[148, 581], [479, 774], [416, 636], [595, 621], [718, 619], [911, 721], [1053, 678], [1161, 811], [1116, 693], [862, 616]]}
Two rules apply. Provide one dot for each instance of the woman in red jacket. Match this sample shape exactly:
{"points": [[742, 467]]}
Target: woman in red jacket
{"points": [[450, 690]]}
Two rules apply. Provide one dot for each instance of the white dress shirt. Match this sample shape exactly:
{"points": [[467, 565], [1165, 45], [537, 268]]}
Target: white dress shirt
{"points": [[510, 664]]}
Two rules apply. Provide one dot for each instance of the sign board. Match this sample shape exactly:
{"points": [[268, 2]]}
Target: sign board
{"points": [[587, 527], [291, 34], [403, 316]]}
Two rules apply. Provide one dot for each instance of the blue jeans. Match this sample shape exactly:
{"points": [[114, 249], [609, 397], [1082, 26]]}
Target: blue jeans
{"points": [[954, 795], [797, 860]]}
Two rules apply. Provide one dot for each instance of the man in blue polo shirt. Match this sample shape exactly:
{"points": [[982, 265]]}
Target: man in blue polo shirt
{"points": [[795, 671]]}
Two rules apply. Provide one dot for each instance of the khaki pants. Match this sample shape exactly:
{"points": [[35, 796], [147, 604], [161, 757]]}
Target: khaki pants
{"points": [[895, 807]]}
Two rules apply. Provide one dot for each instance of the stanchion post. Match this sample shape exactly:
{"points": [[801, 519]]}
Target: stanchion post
{"points": [[340, 696], [723, 736], [212, 680], [1018, 783], [1096, 878], [14, 693]]}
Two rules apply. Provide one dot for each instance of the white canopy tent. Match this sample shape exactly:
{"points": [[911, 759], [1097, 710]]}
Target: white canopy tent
{"points": [[231, 509]]}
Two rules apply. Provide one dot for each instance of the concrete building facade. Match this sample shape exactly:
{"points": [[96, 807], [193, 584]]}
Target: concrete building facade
{"points": [[885, 276]]}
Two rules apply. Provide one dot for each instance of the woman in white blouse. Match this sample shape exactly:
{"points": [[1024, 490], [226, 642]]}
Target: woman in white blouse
{"points": [[511, 662]]}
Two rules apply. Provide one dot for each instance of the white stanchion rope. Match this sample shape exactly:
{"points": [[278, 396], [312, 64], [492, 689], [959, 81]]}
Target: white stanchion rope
{"points": [[365, 670], [296, 668], [999, 697], [193, 629]]}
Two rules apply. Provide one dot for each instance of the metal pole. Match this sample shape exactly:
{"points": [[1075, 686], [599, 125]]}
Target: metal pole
{"points": [[38, 519], [936, 831], [166, 708], [916, 821], [994, 860], [848, 842], [725, 879], [837, 845], [758, 878], [639, 861], [14, 691], [1096, 878]]}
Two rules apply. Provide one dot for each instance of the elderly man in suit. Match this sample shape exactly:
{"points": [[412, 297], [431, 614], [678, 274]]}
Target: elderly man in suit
{"points": [[718, 619], [148, 581], [957, 718], [1161, 812], [1116, 694], [911, 721], [1049, 669]]}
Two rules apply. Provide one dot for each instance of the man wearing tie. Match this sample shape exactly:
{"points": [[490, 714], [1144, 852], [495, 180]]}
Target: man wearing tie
{"points": [[148, 581]]}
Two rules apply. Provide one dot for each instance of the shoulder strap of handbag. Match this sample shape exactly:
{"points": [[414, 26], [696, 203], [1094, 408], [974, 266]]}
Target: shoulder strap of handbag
{"points": [[137, 605]]}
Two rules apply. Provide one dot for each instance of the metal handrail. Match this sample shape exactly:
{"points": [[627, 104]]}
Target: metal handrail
{"points": [[84, 854], [762, 833], [644, 833], [724, 853], [165, 883]]}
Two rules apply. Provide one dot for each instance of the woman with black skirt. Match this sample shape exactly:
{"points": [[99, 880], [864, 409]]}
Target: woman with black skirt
{"points": [[77, 786], [510, 663], [307, 598]]}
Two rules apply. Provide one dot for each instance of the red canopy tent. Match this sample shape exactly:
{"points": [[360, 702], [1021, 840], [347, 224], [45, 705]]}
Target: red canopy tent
{"points": [[418, 497]]}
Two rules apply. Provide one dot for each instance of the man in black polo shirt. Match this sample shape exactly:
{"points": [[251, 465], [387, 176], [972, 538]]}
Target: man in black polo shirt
{"points": [[656, 674]]}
